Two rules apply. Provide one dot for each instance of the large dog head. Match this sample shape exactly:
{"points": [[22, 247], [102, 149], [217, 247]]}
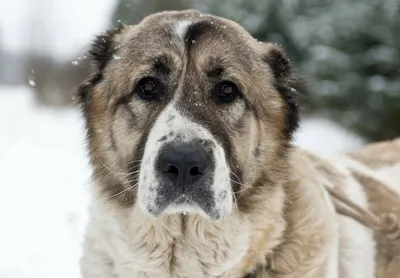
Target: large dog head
{"points": [[187, 112]]}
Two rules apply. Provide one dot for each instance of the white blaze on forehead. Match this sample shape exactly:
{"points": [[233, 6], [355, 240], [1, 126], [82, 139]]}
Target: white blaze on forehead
{"points": [[181, 28], [171, 126]]}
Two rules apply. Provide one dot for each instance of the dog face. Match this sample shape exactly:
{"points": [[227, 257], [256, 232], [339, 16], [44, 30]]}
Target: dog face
{"points": [[187, 112]]}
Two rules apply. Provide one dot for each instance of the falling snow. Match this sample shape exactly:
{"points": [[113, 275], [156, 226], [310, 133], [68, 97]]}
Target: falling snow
{"points": [[32, 82]]}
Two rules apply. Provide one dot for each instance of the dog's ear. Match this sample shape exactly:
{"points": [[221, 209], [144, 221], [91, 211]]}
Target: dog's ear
{"points": [[102, 48], [100, 53], [286, 84]]}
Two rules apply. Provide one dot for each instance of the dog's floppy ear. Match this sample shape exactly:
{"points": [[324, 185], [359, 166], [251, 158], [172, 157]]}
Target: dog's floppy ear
{"points": [[102, 48], [100, 53], [285, 83]]}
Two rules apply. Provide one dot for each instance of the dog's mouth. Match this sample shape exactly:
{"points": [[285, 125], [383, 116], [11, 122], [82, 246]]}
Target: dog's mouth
{"points": [[199, 199]]}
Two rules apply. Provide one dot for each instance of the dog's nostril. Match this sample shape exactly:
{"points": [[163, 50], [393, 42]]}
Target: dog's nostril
{"points": [[173, 170], [195, 171]]}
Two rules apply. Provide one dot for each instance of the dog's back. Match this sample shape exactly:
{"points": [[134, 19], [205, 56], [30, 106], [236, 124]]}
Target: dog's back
{"points": [[381, 183], [370, 179]]}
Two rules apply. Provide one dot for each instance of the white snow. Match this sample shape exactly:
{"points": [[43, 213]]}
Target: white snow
{"points": [[44, 178], [325, 137], [58, 28]]}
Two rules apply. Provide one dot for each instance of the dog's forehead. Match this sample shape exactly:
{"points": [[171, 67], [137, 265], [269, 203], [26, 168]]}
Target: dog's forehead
{"points": [[180, 23], [175, 32]]}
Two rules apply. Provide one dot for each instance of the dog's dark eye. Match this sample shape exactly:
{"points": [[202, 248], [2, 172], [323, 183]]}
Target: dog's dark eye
{"points": [[148, 88], [225, 92]]}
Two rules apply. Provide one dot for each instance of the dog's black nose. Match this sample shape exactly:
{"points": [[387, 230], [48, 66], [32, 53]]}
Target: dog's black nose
{"points": [[183, 164]]}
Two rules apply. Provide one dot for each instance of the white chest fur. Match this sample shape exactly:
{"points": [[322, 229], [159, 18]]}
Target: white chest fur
{"points": [[175, 246]]}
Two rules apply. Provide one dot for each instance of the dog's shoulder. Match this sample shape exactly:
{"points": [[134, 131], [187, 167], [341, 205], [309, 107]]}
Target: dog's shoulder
{"points": [[308, 248]]}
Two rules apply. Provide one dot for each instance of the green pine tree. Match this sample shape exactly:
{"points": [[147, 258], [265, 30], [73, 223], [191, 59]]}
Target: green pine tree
{"points": [[352, 64]]}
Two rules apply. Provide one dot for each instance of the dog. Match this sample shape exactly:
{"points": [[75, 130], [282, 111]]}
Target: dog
{"points": [[189, 123]]}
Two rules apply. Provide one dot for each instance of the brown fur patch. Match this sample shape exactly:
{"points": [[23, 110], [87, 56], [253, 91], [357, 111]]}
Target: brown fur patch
{"points": [[379, 155], [382, 200]]}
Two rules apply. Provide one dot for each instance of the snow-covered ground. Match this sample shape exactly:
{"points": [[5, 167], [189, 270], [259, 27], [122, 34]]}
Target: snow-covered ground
{"points": [[44, 177], [43, 180]]}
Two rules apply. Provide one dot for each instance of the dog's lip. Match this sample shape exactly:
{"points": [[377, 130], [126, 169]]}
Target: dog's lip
{"points": [[211, 212], [202, 200], [157, 210], [183, 199]]}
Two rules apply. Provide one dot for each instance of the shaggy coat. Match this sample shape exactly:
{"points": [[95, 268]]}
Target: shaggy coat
{"points": [[260, 207]]}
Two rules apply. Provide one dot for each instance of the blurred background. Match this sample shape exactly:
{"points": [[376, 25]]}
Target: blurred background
{"points": [[347, 51]]}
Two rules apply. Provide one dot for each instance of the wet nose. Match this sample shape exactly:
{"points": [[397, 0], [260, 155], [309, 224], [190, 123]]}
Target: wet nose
{"points": [[183, 164]]}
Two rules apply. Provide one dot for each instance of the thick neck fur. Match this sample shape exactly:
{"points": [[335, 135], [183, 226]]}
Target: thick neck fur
{"points": [[283, 232], [186, 245]]}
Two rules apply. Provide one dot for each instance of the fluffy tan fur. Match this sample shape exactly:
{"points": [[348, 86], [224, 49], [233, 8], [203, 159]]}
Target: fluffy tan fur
{"points": [[283, 224], [296, 243]]}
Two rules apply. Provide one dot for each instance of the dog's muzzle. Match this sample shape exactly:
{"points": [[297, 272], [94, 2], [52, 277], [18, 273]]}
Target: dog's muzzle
{"points": [[184, 169], [185, 173]]}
